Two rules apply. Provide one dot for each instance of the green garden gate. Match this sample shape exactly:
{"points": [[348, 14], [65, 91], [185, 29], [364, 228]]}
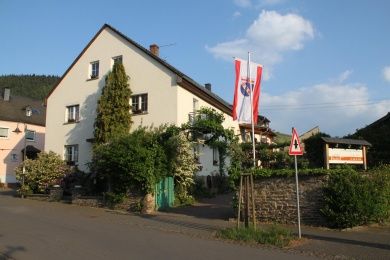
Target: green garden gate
{"points": [[165, 195]]}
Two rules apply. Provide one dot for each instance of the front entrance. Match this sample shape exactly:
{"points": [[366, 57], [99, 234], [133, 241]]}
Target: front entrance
{"points": [[165, 196]]}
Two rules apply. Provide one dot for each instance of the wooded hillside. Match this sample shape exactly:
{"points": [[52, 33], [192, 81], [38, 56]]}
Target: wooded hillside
{"points": [[33, 86]]}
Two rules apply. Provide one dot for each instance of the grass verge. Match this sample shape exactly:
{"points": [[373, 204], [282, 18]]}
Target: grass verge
{"points": [[275, 235]]}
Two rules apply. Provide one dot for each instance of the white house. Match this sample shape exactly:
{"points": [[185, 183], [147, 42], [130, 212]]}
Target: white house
{"points": [[161, 94]]}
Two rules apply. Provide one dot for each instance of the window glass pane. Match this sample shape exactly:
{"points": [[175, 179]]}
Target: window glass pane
{"points": [[3, 132], [73, 113], [14, 157], [30, 135], [94, 69], [134, 103], [144, 102], [71, 154]]}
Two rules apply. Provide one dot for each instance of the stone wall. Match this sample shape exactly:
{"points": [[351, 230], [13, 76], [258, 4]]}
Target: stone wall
{"points": [[275, 199], [132, 203]]}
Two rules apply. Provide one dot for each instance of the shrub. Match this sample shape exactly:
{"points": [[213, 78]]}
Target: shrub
{"points": [[111, 199], [135, 161], [352, 198], [47, 170]]}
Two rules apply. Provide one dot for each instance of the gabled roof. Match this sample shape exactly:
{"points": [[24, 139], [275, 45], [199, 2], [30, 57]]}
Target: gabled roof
{"points": [[330, 140], [379, 121], [14, 110], [182, 79]]}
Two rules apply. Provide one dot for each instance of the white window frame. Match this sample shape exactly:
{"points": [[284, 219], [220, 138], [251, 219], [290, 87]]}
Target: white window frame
{"points": [[74, 154], [33, 134], [93, 71], [72, 114], [5, 137], [141, 105]]}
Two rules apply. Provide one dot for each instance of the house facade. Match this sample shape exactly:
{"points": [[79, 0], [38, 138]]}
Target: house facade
{"points": [[22, 133], [160, 95]]}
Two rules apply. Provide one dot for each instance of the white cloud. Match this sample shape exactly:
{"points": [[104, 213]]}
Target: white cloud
{"points": [[344, 76], [243, 3], [236, 14], [386, 73], [338, 108], [270, 2], [267, 38]]}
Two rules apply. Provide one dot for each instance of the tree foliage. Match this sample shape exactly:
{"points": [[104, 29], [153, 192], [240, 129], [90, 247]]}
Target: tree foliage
{"points": [[113, 111], [378, 135], [314, 150], [207, 127], [47, 170], [135, 161], [33, 86], [183, 164]]}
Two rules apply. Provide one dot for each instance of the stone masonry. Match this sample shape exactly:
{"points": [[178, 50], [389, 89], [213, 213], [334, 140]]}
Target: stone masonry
{"points": [[275, 199]]}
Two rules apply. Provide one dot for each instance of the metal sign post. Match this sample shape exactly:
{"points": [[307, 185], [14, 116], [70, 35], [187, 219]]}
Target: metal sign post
{"points": [[297, 188], [296, 149]]}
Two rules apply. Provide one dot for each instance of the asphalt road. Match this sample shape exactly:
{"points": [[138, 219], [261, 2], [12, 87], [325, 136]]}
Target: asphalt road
{"points": [[43, 230]]}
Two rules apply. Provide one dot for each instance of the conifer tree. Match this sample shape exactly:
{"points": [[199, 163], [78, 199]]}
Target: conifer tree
{"points": [[113, 110]]}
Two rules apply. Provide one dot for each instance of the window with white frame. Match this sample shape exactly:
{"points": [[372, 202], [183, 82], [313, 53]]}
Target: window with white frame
{"points": [[30, 135], [94, 70], [71, 154], [4, 131], [139, 103], [117, 59], [72, 113]]}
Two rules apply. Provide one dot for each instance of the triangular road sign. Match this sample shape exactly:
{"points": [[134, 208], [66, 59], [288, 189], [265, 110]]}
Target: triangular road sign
{"points": [[295, 145]]}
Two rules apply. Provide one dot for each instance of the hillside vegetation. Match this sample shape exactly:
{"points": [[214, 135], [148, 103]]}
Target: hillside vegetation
{"points": [[33, 86]]}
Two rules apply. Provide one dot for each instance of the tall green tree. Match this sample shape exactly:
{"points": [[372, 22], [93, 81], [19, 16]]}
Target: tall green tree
{"points": [[113, 110]]}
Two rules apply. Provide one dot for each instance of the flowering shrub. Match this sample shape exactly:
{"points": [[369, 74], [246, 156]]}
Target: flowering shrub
{"points": [[47, 170]]}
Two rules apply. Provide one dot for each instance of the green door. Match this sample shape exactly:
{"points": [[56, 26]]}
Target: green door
{"points": [[165, 193]]}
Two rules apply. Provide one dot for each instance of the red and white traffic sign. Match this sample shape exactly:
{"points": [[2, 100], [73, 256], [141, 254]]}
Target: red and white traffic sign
{"points": [[295, 145]]}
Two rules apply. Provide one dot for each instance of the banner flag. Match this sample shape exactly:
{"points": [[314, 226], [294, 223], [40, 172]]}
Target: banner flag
{"points": [[242, 91]]}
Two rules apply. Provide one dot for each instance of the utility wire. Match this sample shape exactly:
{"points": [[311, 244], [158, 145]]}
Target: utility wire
{"points": [[324, 105]]}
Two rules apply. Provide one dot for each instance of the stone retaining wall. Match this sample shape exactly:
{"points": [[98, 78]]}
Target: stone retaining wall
{"points": [[275, 199], [132, 203]]}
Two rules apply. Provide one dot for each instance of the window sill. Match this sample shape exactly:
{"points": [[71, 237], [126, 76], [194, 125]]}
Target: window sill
{"points": [[70, 123], [139, 114], [90, 79]]}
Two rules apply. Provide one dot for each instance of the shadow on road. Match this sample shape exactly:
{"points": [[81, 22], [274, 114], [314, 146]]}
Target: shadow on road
{"points": [[180, 223], [349, 241], [8, 192], [219, 207], [9, 251]]}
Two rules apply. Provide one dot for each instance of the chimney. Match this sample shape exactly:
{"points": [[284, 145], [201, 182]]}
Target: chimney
{"points": [[7, 94], [154, 49], [208, 86]]}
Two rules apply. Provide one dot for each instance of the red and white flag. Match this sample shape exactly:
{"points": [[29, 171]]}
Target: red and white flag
{"points": [[246, 81]]}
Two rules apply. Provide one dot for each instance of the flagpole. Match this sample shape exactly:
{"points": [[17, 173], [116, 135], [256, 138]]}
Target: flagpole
{"points": [[252, 119], [253, 141]]}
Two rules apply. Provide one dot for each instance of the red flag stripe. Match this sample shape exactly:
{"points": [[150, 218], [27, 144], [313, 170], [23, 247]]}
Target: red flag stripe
{"points": [[235, 101]]}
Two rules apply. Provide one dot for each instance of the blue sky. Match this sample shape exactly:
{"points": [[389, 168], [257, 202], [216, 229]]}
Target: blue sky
{"points": [[326, 63]]}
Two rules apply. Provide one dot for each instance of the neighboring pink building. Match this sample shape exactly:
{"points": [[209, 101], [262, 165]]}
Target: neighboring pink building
{"points": [[22, 126]]}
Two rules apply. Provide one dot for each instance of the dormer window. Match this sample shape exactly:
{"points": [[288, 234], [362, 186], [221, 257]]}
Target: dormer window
{"points": [[94, 70]]}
